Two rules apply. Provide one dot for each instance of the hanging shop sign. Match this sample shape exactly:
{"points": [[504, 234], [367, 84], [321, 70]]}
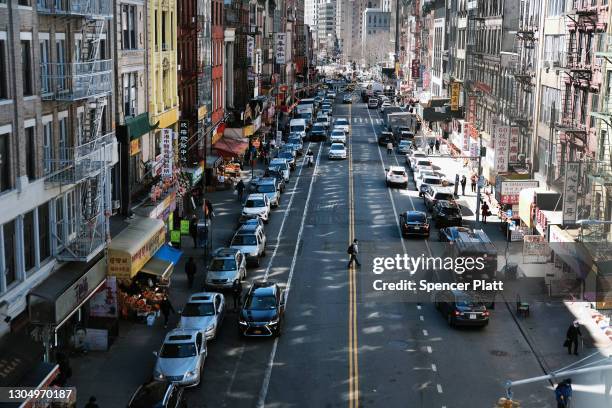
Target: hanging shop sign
{"points": [[167, 153], [183, 142], [454, 99], [513, 147], [134, 147], [502, 140], [508, 191], [280, 44], [250, 48], [104, 302], [535, 249], [570, 193]]}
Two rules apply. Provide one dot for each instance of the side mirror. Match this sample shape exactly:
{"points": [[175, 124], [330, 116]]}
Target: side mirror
{"points": [[155, 353], [179, 312], [386, 169]]}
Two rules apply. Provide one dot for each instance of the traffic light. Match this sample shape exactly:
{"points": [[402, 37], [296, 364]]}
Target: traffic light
{"points": [[483, 151]]}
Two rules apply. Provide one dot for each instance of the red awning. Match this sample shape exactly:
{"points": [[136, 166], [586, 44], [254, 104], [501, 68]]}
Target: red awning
{"points": [[229, 147]]}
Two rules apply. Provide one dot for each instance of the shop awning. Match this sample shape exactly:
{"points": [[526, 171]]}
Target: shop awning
{"points": [[229, 147], [213, 161], [139, 125], [163, 262]]}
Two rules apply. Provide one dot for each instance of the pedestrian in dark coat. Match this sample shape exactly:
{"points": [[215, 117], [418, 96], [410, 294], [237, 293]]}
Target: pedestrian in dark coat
{"points": [[166, 307], [92, 403], [473, 181], [193, 229], [240, 189], [353, 250], [563, 393], [484, 212], [463, 183], [437, 146], [236, 293], [573, 332], [190, 271]]}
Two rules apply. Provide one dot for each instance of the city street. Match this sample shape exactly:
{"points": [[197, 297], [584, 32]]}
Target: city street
{"points": [[389, 352]]}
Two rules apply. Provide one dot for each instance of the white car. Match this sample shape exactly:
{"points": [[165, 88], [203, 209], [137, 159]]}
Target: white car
{"points": [[422, 162], [181, 357], [427, 180], [342, 123], [337, 151], [281, 166], [203, 311], [337, 136], [396, 175], [417, 171], [324, 119], [411, 158], [383, 106], [257, 204]]}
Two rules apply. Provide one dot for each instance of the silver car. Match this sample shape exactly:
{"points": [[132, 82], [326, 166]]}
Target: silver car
{"points": [[251, 241], [227, 265], [203, 312], [181, 357]]}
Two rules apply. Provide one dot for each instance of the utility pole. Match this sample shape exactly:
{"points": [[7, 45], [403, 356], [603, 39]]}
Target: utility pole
{"points": [[397, 46], [553, 117], [479, 175]]}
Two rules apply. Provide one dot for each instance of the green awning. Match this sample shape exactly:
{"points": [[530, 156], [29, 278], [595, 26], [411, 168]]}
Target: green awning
{"points": [[139, 125]]}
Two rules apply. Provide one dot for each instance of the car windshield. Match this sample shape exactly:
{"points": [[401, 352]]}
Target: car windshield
{"points": [[255, 203], [321, 119], [222, 265], [341, 122], [280, 166], [467, 302], [286, 155], [294, 140], [296, 128], [150, 395], [178, 350], [266, 188], [415, 217], [198, 309], [423, 163], [398, 173], [337, 147], [432, 181], [337, 133], [244, 240], [444, 196], [261, 303]]}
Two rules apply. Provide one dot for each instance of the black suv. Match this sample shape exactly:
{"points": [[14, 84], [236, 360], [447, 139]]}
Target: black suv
{"points": [[447, 214], [158, 394], [414, 223], [461, 308], [263, 311]]}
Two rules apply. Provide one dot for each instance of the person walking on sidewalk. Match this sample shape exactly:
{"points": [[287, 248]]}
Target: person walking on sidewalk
{"points": [[193, 229], [240, 189], [473, 181], [92, 403], [353, 250], [190, 271], [389, 148], [236, 293], [463, 183], [563, 393], [431, 147], [437, 144], [571, 337], [166, 307], [484, 212]]}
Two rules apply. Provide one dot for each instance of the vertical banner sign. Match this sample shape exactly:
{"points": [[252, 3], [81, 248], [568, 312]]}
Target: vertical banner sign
{"points": [[250, 48], [514, 145], [472, 117], [454, 99], [167, 153], [502, 139], [183, 142], [570, 193], [280, 42]]}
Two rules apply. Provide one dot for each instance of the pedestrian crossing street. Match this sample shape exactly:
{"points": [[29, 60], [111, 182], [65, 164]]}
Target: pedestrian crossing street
{"points": [[368, 121]]}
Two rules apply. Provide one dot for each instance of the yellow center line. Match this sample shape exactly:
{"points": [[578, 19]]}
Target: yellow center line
{"points": [[353, 349]]}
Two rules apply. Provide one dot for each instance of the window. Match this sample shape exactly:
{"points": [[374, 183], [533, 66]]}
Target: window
{"points": [[72, 212], [59, 220], [10, 261], [26, 67], [128, 26], [60, 48], [24, 3], [63, 140], [44, 232], [550, 97], [163, 31], [3, 67], [44, 65], [28, 240], [47, 146], [5, 163], [156, 33], [555, 8], [129, 93], [30, 152]]}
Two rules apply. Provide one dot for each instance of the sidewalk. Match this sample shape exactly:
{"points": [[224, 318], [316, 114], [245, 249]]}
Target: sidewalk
{"points": [[113, 376]]}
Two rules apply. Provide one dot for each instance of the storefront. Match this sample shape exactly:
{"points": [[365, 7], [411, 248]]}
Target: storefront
{"points": [[61, 304], [142, 264], [507, 193]]}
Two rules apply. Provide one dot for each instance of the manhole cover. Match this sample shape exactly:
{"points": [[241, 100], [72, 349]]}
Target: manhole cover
{"points": [[498, 353]]}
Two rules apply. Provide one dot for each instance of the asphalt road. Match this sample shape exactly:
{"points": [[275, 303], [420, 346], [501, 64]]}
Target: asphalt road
{"points": [[344, 345]]}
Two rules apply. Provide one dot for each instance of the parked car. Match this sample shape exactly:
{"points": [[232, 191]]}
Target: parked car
{"points": [[342, 123], [226, 266], [347, 98], [414, 223], [384, 138], [447, 214], [337, 151], [396, 175], [323, 119], [404, 146], [280, 165], [296, 143], [268, 186], [251, 241], [337, 136], [288, 155], [432, 195], [461, 308], [423, 180], [181, 357], [263, 310], [204, 312], [158, 394], [411, 158], [372, 103], [318, 133], [276, 174], [450, 234], [257, 204], [384, 105]]}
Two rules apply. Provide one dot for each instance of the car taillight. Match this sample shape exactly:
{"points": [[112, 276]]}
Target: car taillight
{"points": [[486, 314], [458, 313]]}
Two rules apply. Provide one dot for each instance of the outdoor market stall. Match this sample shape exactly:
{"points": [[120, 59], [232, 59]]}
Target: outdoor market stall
{"points": [[142, 264]]}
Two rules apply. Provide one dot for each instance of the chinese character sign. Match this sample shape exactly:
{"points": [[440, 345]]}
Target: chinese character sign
{"points": [[167, 153], [570, 193], [513, 148], [280, 43], [454, 99], [250, 48], [502, 139], [183, 142]]}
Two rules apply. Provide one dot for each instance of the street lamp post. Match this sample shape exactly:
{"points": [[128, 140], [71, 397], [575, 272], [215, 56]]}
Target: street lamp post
{"points": [[479, 175]]}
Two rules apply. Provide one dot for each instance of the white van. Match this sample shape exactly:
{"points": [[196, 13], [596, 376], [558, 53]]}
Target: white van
{"points": [[297, 126]]}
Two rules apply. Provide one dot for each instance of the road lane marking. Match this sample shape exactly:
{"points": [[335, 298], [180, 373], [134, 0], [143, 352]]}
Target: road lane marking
{"points": [[422, 318], [418, 307], [285, 216], [263, 392], [434, 368], [429, 350], [425, 333], [439, 387]]}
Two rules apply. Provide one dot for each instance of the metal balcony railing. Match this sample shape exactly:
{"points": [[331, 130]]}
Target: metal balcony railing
{"points": [[95, 9], [77, 80], [74, 164]]}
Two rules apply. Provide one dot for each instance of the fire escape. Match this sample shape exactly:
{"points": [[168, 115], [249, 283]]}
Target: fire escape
{"points": [[416, 49], [83, 165]]}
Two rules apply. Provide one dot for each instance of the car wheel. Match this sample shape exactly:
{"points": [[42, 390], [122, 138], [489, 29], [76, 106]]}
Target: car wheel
{"points": [[449, 319], [258, 262], [263, 253]]}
